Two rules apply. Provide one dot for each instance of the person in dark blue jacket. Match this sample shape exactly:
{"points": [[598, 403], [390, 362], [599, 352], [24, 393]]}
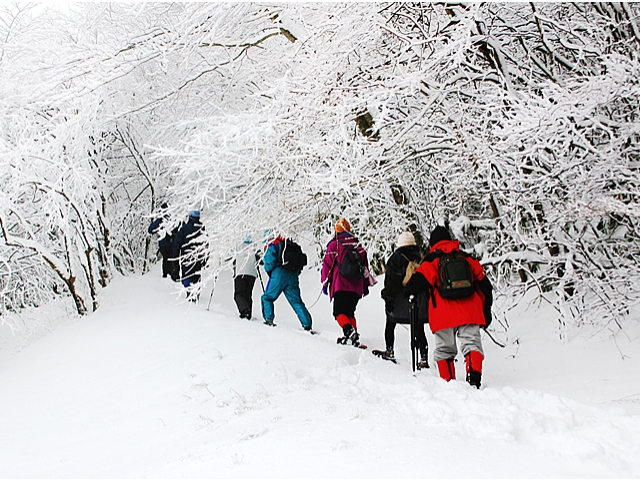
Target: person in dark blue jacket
{"points": [[282, 280], [186, 250], [165, 244]]}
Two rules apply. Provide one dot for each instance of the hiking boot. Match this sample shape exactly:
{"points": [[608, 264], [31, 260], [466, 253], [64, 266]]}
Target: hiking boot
{"points": [[473, 378], [354, 337], [473, 360], [423, 363], [389, 355]]}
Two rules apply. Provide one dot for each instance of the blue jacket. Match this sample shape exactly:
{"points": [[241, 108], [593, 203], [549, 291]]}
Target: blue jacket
{"points": [[273, 256], [282, 280]]}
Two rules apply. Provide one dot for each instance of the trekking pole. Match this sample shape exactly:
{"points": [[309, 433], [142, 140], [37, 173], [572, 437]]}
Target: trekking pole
{"points": [[260, 277], [215, 279], [412, 306], [316, 301], [494, 340]]}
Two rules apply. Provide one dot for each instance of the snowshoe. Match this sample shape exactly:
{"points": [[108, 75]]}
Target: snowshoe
{"points": [[385, 355], [347, 341], [309, 330]]}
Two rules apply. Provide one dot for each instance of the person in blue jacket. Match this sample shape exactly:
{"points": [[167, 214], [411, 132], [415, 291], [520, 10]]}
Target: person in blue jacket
{"points": [[165, 244], [185, 249], [282, 280]]}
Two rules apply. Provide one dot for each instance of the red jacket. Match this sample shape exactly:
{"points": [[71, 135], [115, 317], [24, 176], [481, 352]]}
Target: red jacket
{"points": [[450, 313]]}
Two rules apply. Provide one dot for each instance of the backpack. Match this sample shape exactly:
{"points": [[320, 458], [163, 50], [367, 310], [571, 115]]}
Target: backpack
{"points": [[456, 280], [293, 258], [352, 265]]}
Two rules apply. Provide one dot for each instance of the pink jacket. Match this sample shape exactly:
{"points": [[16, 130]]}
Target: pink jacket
{"points": [[336, 251]]}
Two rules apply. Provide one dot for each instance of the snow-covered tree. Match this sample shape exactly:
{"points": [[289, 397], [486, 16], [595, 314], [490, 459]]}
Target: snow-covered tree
{"points": [[516, 123]]}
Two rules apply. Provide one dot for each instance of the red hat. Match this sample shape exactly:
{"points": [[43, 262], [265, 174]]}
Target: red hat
{"points": [[343, 226]]}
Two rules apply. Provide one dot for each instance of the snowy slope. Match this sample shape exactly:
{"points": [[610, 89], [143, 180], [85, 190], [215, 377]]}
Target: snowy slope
{"points": [[149, 386]]}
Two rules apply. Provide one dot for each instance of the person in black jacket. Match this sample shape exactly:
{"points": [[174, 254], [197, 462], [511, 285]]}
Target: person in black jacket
{"points": [[186, 250], [397, 302], [165, 244]]}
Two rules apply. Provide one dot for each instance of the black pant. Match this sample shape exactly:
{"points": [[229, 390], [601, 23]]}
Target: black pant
{"points": [[389, 335], [344, 303], [243, 294], [168, 265]]}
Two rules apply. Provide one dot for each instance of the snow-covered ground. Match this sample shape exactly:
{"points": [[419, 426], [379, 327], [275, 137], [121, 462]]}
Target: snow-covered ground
{"points": [[150, 386]]}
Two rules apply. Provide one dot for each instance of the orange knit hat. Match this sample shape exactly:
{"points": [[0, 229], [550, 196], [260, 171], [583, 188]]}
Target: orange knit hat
{"points": [[343, 226]]}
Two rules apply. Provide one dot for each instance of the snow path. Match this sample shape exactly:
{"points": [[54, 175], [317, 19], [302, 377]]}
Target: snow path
{"points": [[150, 387]]}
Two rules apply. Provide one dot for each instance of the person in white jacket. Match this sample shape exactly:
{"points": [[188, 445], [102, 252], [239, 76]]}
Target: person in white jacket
{"points": [[245, 271]]}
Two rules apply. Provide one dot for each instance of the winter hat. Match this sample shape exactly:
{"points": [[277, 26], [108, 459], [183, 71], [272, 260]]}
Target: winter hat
{"points": [[342, 226], [194, 213], [405, 239], [439, 233]]}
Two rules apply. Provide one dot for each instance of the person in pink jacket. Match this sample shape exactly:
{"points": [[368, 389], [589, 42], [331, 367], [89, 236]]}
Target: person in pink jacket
{"points": [[345, 291]]}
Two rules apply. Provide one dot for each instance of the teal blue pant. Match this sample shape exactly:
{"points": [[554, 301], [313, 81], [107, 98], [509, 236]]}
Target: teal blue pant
{"points": [[284, 281]]}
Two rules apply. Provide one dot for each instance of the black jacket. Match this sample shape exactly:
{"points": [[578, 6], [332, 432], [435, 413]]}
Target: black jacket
{"points": [[395, 299]]}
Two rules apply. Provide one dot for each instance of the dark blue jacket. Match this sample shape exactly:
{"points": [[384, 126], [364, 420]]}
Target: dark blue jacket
{"points": [[187, 237], [187, 241]]}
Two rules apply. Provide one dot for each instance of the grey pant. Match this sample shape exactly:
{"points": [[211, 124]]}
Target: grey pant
{"points": [[469, 336]]}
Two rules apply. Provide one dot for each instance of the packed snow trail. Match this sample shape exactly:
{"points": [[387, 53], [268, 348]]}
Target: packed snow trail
{"points": [[151, 386]]}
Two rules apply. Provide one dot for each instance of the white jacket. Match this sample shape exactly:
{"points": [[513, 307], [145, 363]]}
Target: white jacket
{"points": [[246, 260]]}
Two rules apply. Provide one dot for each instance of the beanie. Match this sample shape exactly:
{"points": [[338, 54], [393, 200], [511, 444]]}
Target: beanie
{"points": [[342, 226], [439, 233], [405, 239], [194, 213]]}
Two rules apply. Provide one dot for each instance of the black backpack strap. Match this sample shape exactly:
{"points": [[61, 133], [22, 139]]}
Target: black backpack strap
{"points": [[348, 247], [430, 289]]}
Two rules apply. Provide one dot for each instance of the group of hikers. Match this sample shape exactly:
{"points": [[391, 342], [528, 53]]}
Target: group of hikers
{"points": [[447, 288], [179, 248]]}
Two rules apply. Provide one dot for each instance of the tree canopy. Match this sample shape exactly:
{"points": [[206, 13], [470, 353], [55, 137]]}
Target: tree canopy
{"points": [[516, 124]]}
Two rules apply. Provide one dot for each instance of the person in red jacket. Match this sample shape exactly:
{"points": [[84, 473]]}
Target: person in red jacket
{"points": [[454, 317]]}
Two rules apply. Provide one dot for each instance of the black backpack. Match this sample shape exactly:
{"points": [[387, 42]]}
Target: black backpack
{"points": [[352, 265], [456, 280], [293, 258]]}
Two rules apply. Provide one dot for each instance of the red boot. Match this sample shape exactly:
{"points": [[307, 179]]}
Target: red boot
{"points": [[473, 361], [447, 369]]}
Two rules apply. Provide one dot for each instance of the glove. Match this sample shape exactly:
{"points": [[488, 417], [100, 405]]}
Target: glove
{"points": [[487, 317], [324, 289], [388, 307]]}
